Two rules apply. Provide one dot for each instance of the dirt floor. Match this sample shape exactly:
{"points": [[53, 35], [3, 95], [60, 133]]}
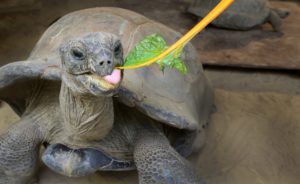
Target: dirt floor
{"points": [[254, 136]]}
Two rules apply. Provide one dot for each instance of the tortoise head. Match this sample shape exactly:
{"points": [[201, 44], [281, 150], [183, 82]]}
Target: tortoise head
{"points": [[89, 62]]}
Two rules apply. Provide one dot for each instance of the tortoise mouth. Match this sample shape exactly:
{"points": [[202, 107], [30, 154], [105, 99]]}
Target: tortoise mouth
{"points": [[107, 82], [101, 85], [101, 82], [81, 162]]}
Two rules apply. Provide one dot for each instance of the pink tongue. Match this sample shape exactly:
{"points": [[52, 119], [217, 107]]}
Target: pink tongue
{"points": [[114, 78]]}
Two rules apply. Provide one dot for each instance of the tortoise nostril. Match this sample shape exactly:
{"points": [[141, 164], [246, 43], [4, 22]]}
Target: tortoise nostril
{"points": [[108, 62]]}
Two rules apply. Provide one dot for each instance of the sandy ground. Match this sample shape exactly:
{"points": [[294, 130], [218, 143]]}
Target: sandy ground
{"points": [[253, 138]]}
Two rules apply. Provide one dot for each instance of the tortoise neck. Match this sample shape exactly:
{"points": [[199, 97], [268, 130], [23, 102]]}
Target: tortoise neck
{"points": [[86, 117]]}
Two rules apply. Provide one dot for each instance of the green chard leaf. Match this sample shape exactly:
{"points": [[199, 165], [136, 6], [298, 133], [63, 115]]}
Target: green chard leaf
{"points": [[151, 47]]}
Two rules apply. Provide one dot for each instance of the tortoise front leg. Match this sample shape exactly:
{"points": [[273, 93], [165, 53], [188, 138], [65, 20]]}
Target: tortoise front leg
{"points": [[158, 163], [275, 20], [19, 148]]}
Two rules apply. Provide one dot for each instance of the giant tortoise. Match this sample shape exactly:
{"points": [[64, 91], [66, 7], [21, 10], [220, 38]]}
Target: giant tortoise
{"points": [[70, 98], [242, 14]]}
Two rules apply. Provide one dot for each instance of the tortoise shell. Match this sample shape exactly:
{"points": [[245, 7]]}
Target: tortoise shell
{"points": [[181, 101], [242, 14]]}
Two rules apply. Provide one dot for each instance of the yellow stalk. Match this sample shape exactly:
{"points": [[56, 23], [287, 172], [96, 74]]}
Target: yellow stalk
{"points": [[223, 5]]}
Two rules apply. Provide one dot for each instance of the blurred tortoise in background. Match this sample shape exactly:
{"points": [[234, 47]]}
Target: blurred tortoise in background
{"points": [[71, 99], [242, 14]]}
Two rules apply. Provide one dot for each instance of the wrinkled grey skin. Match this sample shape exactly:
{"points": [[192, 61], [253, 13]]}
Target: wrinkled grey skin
{"points": [[242, 14], [82, 121]]}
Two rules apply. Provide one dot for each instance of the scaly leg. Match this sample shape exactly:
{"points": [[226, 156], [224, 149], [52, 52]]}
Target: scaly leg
{"points": [[19, 148], [275, 20], [158, 163]]}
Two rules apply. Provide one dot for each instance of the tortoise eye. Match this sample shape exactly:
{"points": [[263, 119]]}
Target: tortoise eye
{"points": [[118, 49], [77, 53]]}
